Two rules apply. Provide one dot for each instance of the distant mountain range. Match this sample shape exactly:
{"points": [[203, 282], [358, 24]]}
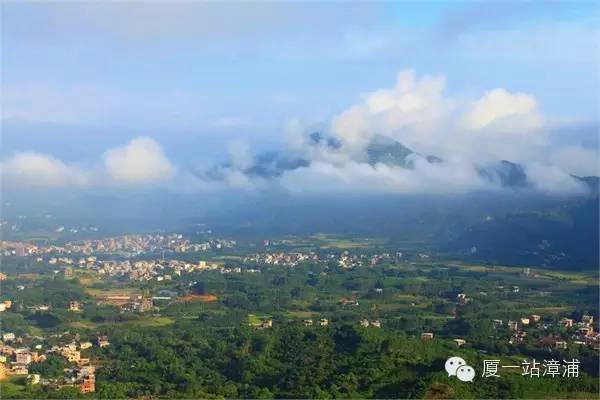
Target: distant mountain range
{"points": [[516, 226], [387, 151]]}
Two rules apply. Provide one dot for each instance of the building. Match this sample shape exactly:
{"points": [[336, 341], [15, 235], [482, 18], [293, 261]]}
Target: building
{"points": [[308, 322], [8, 337], [88, 384], [324, 322], [462, 299], [525, 321], [376, 324], [266, 324], [74, 306], [68, 273], [19, 369], [24, 358], [88, 370], [560, 344], [535, 318], [566, 322], [460, 342], [364, 323], [33, 379], [85, 345], [587, 319], [586, 331], [71, 355], [20, 251], [513, 325], [425, 336], [103, 341], [146, 305]]}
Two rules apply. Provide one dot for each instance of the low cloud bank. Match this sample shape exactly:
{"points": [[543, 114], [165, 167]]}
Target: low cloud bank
{"points": [[464, 136], [139, 162]]}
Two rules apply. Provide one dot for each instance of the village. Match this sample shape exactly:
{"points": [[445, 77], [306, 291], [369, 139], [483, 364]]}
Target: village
{"points": [[128, 279], [20, 354], [127, 246]]}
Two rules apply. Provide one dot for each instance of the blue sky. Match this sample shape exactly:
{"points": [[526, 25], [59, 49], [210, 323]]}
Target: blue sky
{"points": [[81, 78]]}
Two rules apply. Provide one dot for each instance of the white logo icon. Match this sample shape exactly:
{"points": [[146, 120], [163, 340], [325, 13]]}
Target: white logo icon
{"points": [[452, 365], [458, 367], [465, 373]]}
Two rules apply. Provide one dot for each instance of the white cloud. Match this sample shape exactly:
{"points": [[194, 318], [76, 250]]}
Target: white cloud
{"points": [[356, 177], [409, 112], [504, 110], [30, 169], [577, 160], [553, 180], [141, 161], [417, 113], [239, 152]]}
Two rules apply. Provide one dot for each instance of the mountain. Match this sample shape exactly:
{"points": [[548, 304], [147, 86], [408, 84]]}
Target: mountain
{"points": [[266, 165], [390, 152], [505, 173], [381, 150]]}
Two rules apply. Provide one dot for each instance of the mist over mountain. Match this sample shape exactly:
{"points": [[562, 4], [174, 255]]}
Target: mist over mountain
{"points": [[385, 152]]}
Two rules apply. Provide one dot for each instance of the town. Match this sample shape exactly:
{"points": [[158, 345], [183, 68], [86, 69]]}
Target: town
{"points": [[127, 280]]}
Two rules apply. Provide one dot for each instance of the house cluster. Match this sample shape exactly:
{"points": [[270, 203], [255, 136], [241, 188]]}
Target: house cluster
{"points": [[126, 302], [137, 244], [282, 258], [16, 359], [577, 332], [365, 323], [262, 324], [128, 245], [582, 332], [321, 322], [238, 270], [349, 301], [462, 299], [344, 259], [159, 270], [5, 305]]}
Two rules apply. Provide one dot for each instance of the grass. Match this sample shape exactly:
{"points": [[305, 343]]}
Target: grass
{"points": [[144, 322], [301, 314], [86, 278], [257, 319], [29, 276], [127, 291], [327, 241], [13, 386], [83, 325], [155, 322]]}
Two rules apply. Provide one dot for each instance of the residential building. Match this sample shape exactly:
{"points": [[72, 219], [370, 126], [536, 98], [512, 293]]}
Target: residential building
{"points": [[560, 344], [103, 341], [566, 322]]}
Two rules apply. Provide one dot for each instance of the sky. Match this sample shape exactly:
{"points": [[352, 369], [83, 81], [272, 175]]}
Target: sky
{"points": [[118, 95]]}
